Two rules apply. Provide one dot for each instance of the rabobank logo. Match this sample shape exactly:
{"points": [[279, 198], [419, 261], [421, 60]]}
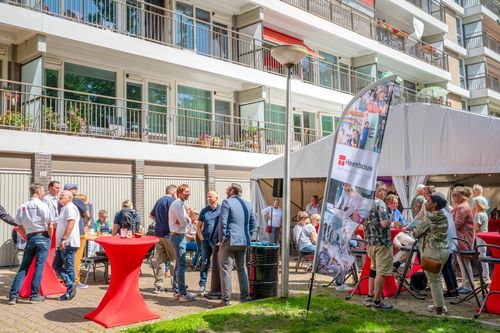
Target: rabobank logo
{"points": [[343, 160]]}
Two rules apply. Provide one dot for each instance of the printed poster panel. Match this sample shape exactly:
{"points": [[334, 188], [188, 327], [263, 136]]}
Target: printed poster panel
{"points": [[353, 173]]}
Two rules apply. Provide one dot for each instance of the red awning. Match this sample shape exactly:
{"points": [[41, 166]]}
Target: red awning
{"points": [[280, 38]]}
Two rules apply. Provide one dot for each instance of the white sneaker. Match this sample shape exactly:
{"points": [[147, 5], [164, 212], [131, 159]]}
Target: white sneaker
{"points": [[189, 297], [343, 287], [432, 308]]}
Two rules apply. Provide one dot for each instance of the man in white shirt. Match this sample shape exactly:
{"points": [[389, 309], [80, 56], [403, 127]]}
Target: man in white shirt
{"points": [[52, 199], [33, 219], [273, 215], [68, 242], [178, 222], [314, 206]]}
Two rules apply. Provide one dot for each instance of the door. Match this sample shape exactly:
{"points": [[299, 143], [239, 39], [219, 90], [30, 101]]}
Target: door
{"points": [[220, 41], [297, 129], [158, 120], [184, 28], [202, 34], [222, 120], [134, 109]]}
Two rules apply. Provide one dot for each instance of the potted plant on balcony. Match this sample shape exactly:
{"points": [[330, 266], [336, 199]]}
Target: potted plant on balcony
{"points": [[204, 140], [75, 120], [16, 119], [217, 141], [50, 119]]}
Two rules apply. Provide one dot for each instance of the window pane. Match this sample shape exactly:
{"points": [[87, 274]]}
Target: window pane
{"points": [[158, 101], [184, 29], [275, 123], [202, 31], [195, 112], [222, 126], [326, 125]]}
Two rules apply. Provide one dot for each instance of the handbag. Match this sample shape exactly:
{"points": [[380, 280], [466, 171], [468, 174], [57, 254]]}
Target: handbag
{"points": [[430, 264], [269, 228]]}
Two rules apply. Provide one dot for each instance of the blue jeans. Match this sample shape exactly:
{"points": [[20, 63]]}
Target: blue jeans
{"points": [[308, 249], [37, 245], [206, 254], [64, 265], [179, 242]]}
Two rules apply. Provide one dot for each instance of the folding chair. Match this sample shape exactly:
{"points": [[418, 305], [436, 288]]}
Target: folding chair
{"points": [[358, 251], [402, 278], [488, 260], [92, 262], [474, 258], [353, 271]]}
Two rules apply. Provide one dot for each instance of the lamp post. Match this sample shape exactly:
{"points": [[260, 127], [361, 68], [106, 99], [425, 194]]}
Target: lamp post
{"points": [[288, 56]]}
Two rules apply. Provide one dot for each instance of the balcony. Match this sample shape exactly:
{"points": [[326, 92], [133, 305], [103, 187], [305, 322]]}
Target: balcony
{"points": [[158, 25], [349, 18], [432, 7], [482, 40], [487, 81], [492, 5], [44, 109]]}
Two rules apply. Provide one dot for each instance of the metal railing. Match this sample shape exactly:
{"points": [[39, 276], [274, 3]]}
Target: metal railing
{"points": [[35, 108], [492, 5], [480, 40], [353, 20], [487, 81], [432, 7], [156, 24]]}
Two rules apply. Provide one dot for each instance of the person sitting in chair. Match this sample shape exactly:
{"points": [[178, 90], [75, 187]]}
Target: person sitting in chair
{"points": [[304, 234]]}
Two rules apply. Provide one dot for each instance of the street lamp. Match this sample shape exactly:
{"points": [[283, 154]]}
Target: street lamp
{"points": [[288, 56]]}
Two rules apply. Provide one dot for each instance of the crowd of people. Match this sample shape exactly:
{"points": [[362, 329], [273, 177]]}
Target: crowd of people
{"points": [[436, 224], [227, 225]]}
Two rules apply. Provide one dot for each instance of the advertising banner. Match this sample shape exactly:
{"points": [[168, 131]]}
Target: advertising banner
{"points": [[353, 173]]}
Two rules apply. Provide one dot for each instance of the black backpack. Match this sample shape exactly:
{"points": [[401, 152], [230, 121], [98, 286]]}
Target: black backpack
{"points": [[418, 281], [128, 219]]}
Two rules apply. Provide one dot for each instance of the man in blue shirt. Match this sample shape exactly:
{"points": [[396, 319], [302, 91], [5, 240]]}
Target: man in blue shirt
{"points": [[365, 131], [395, 217], [207, 221], [164, 248]]}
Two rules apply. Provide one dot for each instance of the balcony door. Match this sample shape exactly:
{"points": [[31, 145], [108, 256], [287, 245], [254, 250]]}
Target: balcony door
{"points": [[222, 118], [159, 120], [134, 107]]}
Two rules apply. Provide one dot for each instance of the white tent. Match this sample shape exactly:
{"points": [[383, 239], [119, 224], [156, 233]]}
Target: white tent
{"points": [[421, 140]]}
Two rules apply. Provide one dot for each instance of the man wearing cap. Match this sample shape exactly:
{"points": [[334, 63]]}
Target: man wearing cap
{"points": [[68, 243], [84, 219], [33, 219]]}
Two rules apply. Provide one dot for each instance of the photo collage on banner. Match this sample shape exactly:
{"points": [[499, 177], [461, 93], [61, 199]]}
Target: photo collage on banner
{"points": [[353, 174]]}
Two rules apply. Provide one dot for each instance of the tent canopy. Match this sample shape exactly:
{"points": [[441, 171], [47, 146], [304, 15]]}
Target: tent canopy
{"points": [[420, 139]]}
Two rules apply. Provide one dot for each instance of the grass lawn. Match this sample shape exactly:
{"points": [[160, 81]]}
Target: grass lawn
{"points": [[328, 314]]}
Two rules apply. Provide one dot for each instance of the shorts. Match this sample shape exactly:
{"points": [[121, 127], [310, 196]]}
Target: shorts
{"points": [[381, 259]]}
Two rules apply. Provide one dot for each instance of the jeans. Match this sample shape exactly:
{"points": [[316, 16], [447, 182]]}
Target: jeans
{"points": [[450, 279], [179, 242], [64, 265], [37, 245], [227, 256], [308, 249], [206, 254], [274, 237], [435, 278]]}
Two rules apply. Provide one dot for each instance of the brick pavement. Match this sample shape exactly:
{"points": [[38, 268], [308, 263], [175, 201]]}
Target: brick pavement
{"points": [[55, 316]]}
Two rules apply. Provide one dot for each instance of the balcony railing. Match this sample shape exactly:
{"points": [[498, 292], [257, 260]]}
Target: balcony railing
{"points": [[359, 23], [432, 7], [480, 40], [484, 82], [35, 108], [158, 25], [492, 5]]}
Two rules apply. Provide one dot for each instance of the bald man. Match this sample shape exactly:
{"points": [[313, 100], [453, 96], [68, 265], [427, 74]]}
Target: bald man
{"points": [[206, 224]]}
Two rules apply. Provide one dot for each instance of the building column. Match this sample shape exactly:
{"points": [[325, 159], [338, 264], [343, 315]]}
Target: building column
{"points": [[138, 186], [209, 177], [41, 166]]}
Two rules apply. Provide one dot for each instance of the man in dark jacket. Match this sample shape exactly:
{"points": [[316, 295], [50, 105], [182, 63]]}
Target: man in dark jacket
{"points": [[4, 216]]}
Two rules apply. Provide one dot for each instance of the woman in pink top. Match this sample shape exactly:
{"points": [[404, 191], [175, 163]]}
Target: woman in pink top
{"points": [[462, 215]]}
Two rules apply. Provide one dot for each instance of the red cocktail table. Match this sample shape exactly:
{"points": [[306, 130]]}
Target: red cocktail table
{"points": [[123, 303], [50, 284], [390, 283], [493, 302]]}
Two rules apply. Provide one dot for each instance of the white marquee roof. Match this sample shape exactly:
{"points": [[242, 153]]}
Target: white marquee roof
{"points": [[421, 139]]}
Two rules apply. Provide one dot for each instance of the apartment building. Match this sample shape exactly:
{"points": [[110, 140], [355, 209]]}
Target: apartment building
{"points": [[127, 96]]}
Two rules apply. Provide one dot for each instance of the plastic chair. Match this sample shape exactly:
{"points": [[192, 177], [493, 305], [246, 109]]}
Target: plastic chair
{"points": [[488, 260]]}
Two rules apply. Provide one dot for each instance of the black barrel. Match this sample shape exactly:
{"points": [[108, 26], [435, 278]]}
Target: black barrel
{"points": [[263, 269]]}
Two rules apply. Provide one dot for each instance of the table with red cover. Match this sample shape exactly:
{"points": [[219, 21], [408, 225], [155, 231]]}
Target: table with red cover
{"points": [[493, 303], [390, 283], [493, 225], [50, 284], [123, 304]]}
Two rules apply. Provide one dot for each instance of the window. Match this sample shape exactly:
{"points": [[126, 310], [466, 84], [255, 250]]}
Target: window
{"points": [[461, 65], [473, 35], [327, 69], [275, 123], [189, 30], [90, 82], [479, 109], [222, 126], [460, 38], [51, 80], [464, 104], [476, 78], [365, 75], [157, 107], [327, 125], [220, 41], [195, 111]]}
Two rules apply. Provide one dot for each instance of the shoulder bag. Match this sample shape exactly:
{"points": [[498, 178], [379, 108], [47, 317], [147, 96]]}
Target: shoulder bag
{"points": [[429, 264]]}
